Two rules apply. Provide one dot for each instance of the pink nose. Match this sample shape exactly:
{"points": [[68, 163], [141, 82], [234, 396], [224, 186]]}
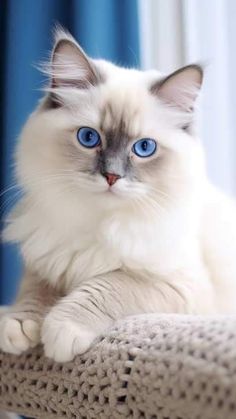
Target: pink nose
{"points": [[111, 178]]}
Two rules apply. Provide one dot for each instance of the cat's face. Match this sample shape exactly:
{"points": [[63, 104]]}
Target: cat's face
{"points": [[110, 133]]}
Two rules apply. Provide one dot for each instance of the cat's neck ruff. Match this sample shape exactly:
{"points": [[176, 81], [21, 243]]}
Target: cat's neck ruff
{"points": [[90, 239]]}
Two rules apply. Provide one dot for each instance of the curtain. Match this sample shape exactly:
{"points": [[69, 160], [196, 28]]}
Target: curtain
{"points": [[104, 28]]}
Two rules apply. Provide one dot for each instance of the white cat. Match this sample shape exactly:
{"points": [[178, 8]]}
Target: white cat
{"points": [[118, 216]]}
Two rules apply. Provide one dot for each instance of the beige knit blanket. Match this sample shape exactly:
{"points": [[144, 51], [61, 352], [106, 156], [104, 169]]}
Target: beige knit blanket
{"points": [[149, 366]]}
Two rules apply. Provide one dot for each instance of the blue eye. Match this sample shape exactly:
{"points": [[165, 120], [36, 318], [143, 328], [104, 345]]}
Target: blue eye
{"points": [[145, 147], [88, 137]]}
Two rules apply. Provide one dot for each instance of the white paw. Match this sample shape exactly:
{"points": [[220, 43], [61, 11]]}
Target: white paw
{"points": [[64, 339], [16, 336]]}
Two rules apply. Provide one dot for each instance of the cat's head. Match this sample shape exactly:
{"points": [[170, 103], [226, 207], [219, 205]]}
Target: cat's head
{"points": [[110, 133]]}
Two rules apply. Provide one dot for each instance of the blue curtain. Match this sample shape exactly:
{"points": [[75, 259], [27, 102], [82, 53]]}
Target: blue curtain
{"points": [[104, 28]]}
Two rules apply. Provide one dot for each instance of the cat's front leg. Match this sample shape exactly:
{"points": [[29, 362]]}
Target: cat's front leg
{"points": [[20, 324], [73, 324]]}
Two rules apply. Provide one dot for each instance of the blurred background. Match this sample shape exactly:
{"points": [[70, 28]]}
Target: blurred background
{"points": [[161, 34]]}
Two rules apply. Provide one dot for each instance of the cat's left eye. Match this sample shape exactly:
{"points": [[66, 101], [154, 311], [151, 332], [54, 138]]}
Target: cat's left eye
{"points": [[145, 147], [88, 137]]}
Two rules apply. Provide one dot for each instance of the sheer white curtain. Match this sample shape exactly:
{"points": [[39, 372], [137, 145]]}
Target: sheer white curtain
{"points": [[179, 32]]}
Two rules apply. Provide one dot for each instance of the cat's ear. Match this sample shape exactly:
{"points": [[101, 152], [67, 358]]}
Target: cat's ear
{"points": [[181, 88], [70, 66]]}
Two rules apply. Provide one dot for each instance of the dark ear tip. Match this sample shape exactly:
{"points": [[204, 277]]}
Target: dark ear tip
{"points": [[200, 68], [62, 38]]}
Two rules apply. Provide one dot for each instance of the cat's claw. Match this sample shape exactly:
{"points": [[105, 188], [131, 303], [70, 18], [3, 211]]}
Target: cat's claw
{"points": [[64, 339], [16, 336]]}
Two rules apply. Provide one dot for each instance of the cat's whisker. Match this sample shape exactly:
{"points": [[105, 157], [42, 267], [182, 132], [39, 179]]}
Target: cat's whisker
{"points": [[158, 193], [19, 191], [156, 206], [9, 202], [9, 189], [40, 201], [149, 204]]}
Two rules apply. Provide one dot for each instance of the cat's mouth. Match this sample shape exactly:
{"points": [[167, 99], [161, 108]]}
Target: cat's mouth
{"points": [[114, 191], [125, 189], [112, 186], [119, 188]]}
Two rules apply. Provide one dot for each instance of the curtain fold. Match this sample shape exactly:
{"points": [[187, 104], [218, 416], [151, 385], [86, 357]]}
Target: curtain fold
{"points": [[105, 28]]}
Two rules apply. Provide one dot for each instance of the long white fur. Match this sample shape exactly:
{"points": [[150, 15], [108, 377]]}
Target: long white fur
{"points": [[164, 245]]}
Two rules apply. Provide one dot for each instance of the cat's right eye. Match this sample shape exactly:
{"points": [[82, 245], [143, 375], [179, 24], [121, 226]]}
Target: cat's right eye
{"points": [[145, 147], [88, 137]]}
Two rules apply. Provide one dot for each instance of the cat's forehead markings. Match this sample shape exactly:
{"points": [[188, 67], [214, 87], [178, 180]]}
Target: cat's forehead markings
{"points": [[118, 121]]}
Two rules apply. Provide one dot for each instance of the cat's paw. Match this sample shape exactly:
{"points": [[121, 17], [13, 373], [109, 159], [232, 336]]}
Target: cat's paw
{"points": [[18, 335], [64, 339]]}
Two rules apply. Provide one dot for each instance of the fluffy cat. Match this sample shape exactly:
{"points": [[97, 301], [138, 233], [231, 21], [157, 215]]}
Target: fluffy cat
{"points": [[118, 216]]}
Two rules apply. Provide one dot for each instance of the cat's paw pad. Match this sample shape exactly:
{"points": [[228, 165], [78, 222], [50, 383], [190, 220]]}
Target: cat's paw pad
{"points": [[16, 336], [65, 339]]}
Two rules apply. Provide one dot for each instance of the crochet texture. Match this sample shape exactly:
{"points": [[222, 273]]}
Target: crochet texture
{"points": [[148, 366]]}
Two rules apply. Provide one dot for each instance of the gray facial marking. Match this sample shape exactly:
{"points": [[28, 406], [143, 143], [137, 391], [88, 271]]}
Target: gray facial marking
{"points": [[114, 158]]}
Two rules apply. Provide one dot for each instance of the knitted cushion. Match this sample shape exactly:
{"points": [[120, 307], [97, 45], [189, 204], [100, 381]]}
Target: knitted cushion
{"points": [[148, 366]]}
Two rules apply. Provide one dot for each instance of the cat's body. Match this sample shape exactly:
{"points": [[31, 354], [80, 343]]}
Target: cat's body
{"points": [[105, 232]]}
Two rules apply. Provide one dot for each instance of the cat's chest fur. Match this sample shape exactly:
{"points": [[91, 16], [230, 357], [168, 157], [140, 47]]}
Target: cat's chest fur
{"points": [[77, 250]]}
